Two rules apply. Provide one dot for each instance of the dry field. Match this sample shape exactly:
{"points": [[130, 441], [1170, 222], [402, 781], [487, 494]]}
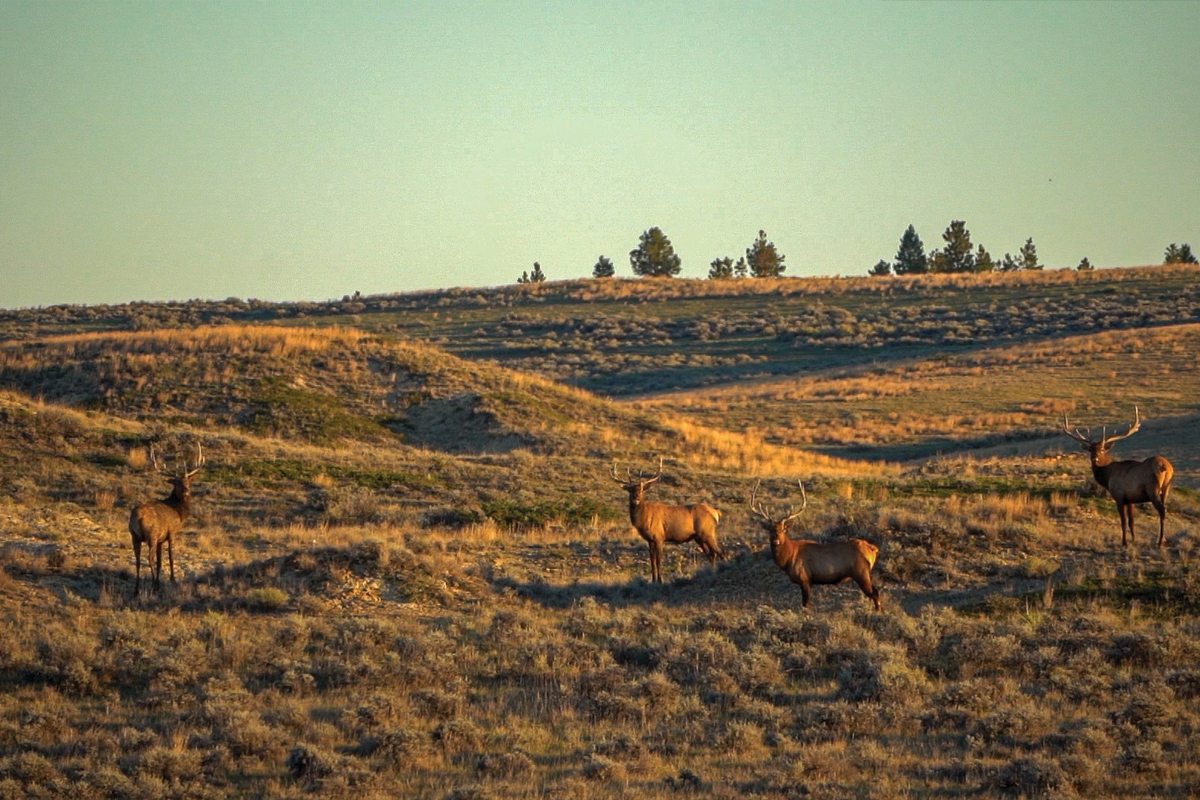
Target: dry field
{"points": [[408, 574]]}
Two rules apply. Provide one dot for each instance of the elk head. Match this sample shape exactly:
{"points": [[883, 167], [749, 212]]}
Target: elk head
{"points": [[777, 528], [181, 482], [637, 486], [1097, 449]]}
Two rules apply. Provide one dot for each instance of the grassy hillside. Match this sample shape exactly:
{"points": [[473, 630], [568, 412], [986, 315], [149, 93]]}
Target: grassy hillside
{"points": [[984, 399], [409, 574], [628, 337]]}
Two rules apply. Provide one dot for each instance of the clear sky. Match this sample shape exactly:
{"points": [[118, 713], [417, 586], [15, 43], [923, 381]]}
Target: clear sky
{"points": [[289, 151]]}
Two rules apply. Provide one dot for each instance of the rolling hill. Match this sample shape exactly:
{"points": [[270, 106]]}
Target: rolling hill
{"points": [[408, 572]]}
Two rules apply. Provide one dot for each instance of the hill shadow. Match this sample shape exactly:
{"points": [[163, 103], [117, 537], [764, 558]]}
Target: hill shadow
{"points": [[748, 579]]}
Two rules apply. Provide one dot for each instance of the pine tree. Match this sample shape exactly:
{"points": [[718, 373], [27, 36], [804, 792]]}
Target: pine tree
{"points": [[956, 256], [1085, 265], [739, 269], [1028, 256], [720, 269], [654, 256], [983, 260], [537, 276], [1009, 264], [604, 268], [910, 258], [1181, 254], [524, 277], [881, 268], [763, 259]]}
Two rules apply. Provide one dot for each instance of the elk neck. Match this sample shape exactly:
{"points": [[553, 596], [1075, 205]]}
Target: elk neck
{"points": [[1101, 465], [180, 500], [637, 506], [782, 548], [1101, 471]]}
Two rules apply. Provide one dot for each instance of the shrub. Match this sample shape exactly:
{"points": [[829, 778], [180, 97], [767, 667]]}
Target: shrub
{"points": [[397, 746], [582, 511], [453, 518], [310, 763], [29, 768], [516, 764], [883, 677], [267, 599], [1030, 777], [456, 736], [599, 768]]}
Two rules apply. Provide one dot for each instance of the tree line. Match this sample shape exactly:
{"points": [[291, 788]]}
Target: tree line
{"points": [[959, 255], [655, 257]]}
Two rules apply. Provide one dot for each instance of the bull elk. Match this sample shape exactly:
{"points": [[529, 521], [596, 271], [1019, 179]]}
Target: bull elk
{"points": [[658, 523], [155, 523], [1129, 482], [807, 562]]}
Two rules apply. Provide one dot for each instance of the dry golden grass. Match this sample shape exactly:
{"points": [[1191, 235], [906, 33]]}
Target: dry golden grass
{"points": [[663, 289], [336, 633], [229, 339], [977, 398]]}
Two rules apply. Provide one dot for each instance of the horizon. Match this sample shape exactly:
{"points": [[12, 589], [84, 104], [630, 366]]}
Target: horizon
{"points": [[351, 296], [303, 152]]}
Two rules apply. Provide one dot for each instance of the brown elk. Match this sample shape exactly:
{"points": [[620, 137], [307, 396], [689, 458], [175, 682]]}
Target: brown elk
{"points": [[807, 562], [156, 522], [1129, 482], [658, 523]]}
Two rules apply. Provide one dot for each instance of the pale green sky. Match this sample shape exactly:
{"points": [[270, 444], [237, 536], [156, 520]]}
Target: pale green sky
{"points": [[308, 150]]}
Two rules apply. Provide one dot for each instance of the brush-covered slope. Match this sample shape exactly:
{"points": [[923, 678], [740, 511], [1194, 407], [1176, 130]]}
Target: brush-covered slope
{"points": [[994, 401], [633, 337], [294, 404], [319, 386]]}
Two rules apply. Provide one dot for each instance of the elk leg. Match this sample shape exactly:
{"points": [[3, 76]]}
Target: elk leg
{"points": [[717, 552], [1161, 508], [158, 567], [656, 551], [805, 593], [137, 560], [869, 590], [171, 557], [1129, 512]]}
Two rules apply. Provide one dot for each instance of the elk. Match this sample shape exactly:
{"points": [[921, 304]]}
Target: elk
{"points": [[658, 523], [156, 522], [807, 562], [1129, 482]]}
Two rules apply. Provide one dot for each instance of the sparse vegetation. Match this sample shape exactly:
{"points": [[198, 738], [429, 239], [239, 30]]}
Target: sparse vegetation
{"points": [[380, 594]]}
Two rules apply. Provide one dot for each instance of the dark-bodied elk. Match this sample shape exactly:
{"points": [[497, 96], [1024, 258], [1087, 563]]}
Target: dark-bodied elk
{"points": [[658, 523], [155, 523], [807, 562], [1129, 482]]}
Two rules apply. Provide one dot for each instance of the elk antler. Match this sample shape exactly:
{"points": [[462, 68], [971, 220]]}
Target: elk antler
{"points": [[154, 460], [1105, 440], [185, 473], [757, 508], [765, 513], [1074, 433], [640, 479], [793, 512], [199, 461], [1137, 423], [656, 475]]}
